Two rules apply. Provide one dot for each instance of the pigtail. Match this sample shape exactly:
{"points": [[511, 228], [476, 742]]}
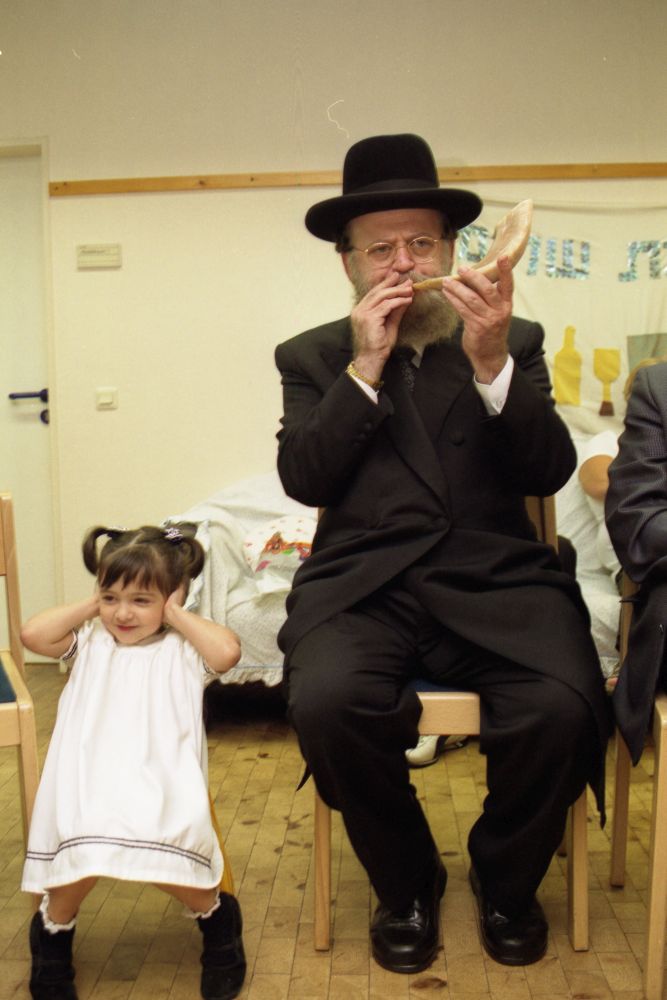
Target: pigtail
{"points": [[191, 552], [90, 555], [194, 557], [165, 557]]}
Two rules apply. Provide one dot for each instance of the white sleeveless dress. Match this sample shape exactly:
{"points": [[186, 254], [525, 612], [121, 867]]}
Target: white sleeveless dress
{"points": [[124, 791]]}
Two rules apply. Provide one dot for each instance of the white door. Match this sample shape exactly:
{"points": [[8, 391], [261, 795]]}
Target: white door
{"points": [[25, 446]]}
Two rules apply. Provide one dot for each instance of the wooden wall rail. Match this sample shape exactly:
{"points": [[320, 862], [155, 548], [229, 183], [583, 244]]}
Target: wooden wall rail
{"points": [[326, 178]]}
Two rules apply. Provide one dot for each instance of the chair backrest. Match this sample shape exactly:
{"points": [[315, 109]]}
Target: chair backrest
{"points": [[9, 570], [542, 512]]}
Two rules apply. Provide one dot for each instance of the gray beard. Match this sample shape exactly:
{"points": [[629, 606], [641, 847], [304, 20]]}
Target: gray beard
{"points": [[429, 319]]}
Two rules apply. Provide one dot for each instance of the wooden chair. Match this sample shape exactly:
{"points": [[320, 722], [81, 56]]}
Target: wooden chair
{"points": [[443, 712], [17, 717], [656, 919]]}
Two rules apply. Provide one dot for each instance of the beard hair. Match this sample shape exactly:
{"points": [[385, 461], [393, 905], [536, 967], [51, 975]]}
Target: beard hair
{"points": [[429, 319]]}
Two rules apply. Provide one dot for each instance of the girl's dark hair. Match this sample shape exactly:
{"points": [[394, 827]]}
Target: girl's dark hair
{"points": [[161, 557]]}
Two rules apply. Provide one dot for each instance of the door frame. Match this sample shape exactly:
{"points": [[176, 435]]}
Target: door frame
{"points": [[17, 148]]}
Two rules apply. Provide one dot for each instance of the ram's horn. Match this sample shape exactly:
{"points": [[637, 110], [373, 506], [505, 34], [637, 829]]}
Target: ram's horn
{"points": [[509, 240]]}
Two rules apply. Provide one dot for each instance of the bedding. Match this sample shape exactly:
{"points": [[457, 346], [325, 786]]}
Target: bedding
{"points": [[255, 538], [581, 519]]}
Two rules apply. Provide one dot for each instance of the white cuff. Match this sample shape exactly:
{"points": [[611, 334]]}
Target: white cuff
{"points": [[368, 389], [495, 394]]}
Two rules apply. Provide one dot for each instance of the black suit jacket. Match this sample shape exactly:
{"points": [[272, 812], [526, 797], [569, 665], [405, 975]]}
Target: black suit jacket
{"points": [[636, 513], [430, 480]]}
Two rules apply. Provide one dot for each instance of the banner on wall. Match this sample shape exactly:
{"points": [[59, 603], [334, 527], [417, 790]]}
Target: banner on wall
{"points": [[596, 279]]}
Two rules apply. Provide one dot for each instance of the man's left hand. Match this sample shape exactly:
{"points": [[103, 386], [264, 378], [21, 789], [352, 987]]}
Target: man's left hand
{"points": [[486, 310]]}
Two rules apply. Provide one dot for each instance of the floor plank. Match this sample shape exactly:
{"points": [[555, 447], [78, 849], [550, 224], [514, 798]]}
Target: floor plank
{"points": [[132, 942]]}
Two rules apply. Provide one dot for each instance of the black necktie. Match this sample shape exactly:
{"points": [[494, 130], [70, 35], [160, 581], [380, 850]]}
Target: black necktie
{"points": [[408, 370]]}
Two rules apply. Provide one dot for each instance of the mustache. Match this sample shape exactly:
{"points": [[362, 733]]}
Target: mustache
{"points": [[429, 319], [362, 286]]}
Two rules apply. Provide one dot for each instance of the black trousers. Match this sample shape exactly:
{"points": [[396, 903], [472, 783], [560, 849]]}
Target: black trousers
{"points": [[354, 716]]}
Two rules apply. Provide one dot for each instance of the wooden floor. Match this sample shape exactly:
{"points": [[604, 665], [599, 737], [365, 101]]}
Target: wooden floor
{"points": [[133, 942]]}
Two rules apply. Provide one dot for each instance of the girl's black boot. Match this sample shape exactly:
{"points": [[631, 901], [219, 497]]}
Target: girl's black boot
{"points": [[52, 975], [223, 959]]}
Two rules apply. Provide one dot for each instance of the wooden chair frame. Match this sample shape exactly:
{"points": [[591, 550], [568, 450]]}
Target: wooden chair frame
{"points": [[443, 713], [17, 717], [656, 919]]}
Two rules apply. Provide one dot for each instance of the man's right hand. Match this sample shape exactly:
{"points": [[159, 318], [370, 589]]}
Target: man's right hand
{"points": [[375, 322]]}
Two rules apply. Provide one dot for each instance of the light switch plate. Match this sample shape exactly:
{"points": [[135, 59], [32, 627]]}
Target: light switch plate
{"points": [[106, 397], [94, 256]]}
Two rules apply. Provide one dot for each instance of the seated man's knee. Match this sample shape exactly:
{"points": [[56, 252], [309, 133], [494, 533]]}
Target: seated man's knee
{"points": [[566, 718], [321, 694], [317, 701]]}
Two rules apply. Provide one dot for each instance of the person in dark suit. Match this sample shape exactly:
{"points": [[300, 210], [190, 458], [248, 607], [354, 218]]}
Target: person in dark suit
{"points": [[418, 424], [636, 516]]}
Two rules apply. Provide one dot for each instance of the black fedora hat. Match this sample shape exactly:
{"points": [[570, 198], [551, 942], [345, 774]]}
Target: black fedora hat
{"points": [[386, 172]]}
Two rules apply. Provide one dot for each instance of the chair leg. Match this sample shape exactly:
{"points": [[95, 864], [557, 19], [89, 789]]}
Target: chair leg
{"points": [[657, 896], [577, 874], [619, 827], [227, 881], [28, 771], [27, 747], [322, 865]]}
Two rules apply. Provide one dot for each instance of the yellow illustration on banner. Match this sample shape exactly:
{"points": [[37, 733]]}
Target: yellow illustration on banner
{"points": [[606, 368], [567, 371]]}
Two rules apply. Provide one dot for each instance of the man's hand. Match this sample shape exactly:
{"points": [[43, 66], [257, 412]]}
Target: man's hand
{"points": [[375, 322], [486, 310]]}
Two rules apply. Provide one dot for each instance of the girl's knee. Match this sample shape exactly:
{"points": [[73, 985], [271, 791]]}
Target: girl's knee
{"points": [[64, 900], [194, 899]]}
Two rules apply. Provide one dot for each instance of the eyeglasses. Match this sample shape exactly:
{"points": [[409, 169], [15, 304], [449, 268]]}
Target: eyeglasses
{"points": [[421, 249]]}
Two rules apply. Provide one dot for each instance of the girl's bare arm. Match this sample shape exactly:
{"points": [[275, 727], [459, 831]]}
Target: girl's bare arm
{"points": [[217, 644], [594, 476], [49, 633]]}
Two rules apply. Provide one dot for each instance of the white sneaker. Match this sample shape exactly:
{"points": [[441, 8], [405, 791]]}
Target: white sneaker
{"points": [[429, 748], [426, 752]]}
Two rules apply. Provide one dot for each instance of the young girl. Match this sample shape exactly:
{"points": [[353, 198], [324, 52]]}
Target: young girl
{"points": [[124, 791]]}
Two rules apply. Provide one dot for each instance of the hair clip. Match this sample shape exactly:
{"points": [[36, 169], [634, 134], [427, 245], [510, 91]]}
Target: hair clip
{"points": [[173, 534], [115, 530]]}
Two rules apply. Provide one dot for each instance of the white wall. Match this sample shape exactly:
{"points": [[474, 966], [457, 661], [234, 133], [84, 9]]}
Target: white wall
{"points": [[211, 281]]}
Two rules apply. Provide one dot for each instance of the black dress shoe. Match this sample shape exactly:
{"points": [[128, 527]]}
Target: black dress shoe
{"points": [[407, 940], [510, 940]]}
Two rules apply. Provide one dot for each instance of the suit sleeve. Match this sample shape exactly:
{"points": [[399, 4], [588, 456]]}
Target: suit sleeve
{"points": [[533, 446], [527, 348], [636, 502], [327, 424]]}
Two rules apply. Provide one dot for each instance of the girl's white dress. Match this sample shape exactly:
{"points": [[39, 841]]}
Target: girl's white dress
{"points": [[124, 791]]}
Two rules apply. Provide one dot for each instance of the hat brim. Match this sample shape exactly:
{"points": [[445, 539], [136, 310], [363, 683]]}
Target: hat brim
{"points": [[327, 219]]}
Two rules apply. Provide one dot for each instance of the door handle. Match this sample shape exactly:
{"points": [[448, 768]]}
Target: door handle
{"points": [[41, 394]]}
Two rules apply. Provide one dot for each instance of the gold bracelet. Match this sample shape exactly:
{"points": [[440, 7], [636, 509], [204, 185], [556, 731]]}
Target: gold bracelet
{"points": [[351, 370]]}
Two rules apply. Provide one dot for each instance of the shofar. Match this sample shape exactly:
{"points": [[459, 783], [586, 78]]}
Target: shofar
{"points": [[509, 240]]}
